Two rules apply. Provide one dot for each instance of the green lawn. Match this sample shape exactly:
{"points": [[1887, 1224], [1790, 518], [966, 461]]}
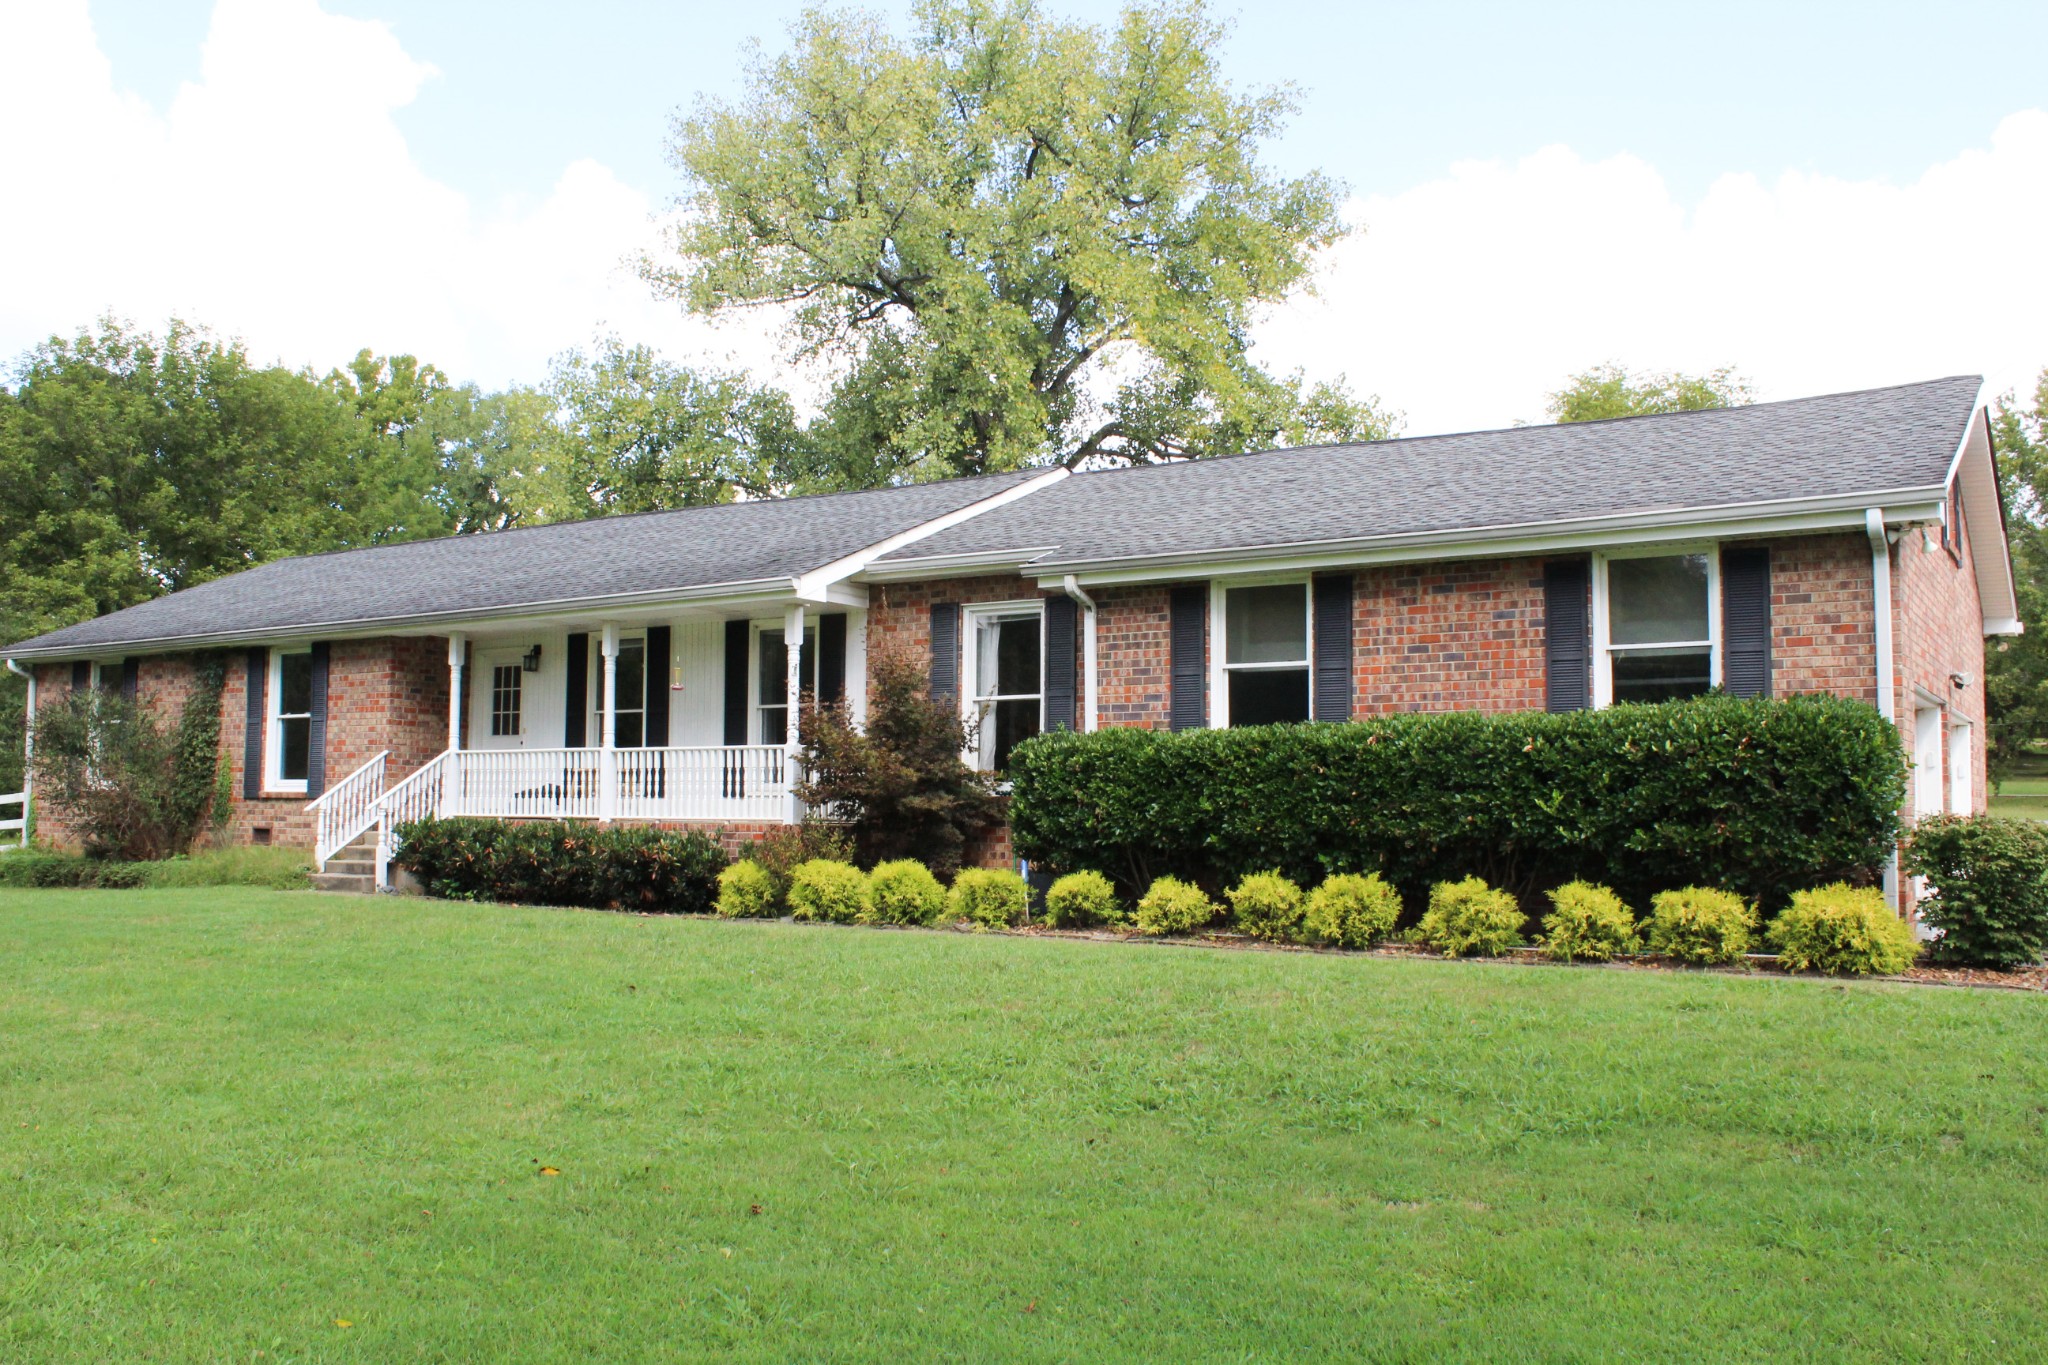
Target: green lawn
{"points": [[230, 1120]]}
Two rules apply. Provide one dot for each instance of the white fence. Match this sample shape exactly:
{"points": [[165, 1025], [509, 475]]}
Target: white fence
{"points": [[730, 782], [14, 832]]}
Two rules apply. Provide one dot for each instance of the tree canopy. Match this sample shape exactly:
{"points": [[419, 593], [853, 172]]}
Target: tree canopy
{"points": [[2016, 670], [1611, 391]]}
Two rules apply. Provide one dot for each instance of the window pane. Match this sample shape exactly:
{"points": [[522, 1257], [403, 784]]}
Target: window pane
{"points": [[774, 723], [295, 684], [295, 748], [1267, 625], [1268, 696], [507, 680], [631, 730], [629, 688], [1016, 662], [772, 676], [1013, 722], [1652, 600], [1662, 674]]}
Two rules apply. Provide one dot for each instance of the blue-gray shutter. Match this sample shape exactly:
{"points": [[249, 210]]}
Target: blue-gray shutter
{"points": [[131, 680], [1332, 648], [257, 662], [316, 728], [81, 677], [1567, 635], [1746, 622], [1188, 702], [656, 699], [576, 693], [831, 658], [945, 651], [1060, 670], [736, 682]]}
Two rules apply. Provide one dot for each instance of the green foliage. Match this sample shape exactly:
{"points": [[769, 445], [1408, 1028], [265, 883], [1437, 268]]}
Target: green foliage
{"points": [[1588, 921], [1762, 796], [1172, 906], [1350, 911], [1080, 899], [1469, 918], [1266, 905], [834, 893], [904, 891], [1842, 930], [2016, 669], [277, 868], [48, 868], [1611, 391], [745, 891], [783, 848], [1022, 239], [898, 784], [989, 898], [1988, 888], [1701, 925], [570, 862]]}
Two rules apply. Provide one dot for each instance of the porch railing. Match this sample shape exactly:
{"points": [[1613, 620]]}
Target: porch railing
{"points": [[347, 808], [16, 827]]}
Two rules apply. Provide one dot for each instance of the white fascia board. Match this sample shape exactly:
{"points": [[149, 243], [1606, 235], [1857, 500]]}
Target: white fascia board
{"points": [[2004, 625], [1976, 478], [812, 586], [973, 562]]}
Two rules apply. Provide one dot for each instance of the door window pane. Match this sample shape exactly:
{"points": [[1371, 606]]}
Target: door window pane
{"points": [[1267, 624], [507, 682], [1652, 601]]}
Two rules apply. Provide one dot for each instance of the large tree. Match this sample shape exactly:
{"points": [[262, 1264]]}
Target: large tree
{"points": [[2016, 670], [1013, 240], [1611, 391]]}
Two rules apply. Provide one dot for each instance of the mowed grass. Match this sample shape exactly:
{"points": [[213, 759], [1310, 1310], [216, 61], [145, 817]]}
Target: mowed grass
{"points": [[231, 1121]]}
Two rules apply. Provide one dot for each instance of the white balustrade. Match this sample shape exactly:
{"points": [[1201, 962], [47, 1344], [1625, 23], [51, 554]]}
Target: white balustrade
{"points": [[347, 808], [18, 826]]}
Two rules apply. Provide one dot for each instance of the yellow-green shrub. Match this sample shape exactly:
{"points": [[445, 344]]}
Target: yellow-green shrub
{"points": [[745, 891], [1080, 899], [1351, 911], [822, 889], [904, 891], [1172, 906], [1701, 925], [1469, 917], [1587, 920], [1266, 905], [1843, 930], [989, 898]]}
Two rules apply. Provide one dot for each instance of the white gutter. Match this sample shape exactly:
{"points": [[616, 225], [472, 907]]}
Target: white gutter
{"points": [[28, 750], [1073, 590], [1881, 618]]}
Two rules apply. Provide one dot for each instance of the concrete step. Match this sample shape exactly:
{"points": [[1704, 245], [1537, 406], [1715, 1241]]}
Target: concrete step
{"points": [[362, 885], [351, 867]]}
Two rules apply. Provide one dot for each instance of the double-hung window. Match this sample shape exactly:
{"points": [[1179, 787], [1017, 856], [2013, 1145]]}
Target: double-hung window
{"points": [[1265, 654], [771, 679], [629, 694], [290, 722], [1656, 626], [1004, 687]]}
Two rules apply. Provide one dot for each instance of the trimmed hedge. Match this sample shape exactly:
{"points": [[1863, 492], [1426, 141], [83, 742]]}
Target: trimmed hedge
{"points": [[1989, 888], [989, 898], [604, 867], [1468, 918], [1844, 931], [47, 868], [1764, 797], [1080, 899], [1350, 911], [1172, 906], [904, 891], [1589, 922], [746, 891], [1701, 925], [828, 891], [1266, 905]]}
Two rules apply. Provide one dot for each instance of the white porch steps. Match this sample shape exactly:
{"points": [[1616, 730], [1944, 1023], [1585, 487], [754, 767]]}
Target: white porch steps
{"points": [[353, 868]]}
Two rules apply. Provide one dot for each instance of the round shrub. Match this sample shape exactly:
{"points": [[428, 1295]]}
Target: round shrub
{"points": [[1172, 906], [1588, 921], [1843, 930], [1080, 899], [989, 898], [1701, 925], [1988, 877], [1468, 918], [822, 889], [904, 891], [1351, 911], [1267, 905], [745, 891]]}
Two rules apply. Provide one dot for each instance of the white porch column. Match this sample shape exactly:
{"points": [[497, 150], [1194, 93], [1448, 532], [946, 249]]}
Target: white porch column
{"points": [[793, 691], [451, 780], [608, 731]]}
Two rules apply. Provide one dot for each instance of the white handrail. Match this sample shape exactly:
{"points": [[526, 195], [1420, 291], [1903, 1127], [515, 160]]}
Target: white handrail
{"points": [[347, 808], [19, 824]]}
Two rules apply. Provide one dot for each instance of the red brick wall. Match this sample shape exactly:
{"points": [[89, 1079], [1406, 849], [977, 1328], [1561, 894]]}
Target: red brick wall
{"points": [[1823, 628], [1464, 636], [1940, 633], [1133, 637], [900, 614]]}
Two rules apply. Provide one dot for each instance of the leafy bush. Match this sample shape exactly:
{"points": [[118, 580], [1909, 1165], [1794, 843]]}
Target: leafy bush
{"points": [[1350, 911], [1172, 906], [277, 867], [1988, 880], [1761, 796], [1843, 930], [836, 893], [46, 868], [782, 849], [545, 862], [989, 898], [746, 891], [1701, 925], [1266, 905], [1590, 922], [1469, 917], [904, 891], [1080, 899]]}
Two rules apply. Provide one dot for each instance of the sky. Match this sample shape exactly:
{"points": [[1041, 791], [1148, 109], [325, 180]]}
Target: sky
{"points": [[1823, 196]]}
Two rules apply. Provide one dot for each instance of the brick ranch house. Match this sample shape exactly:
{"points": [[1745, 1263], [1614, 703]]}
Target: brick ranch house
{"points": [[639, 667]]}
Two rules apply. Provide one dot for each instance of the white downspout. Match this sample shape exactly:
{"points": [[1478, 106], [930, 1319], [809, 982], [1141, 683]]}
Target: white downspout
{"points": [[28, 751], [1073, 587], [1887, 700]]}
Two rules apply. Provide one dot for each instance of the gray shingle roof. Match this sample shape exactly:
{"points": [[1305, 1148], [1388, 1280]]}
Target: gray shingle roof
{"points": [[646, 553], [1874, 441]]}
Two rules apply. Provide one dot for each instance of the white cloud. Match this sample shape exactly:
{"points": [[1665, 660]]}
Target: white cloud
{"points": [[1468, 298]]}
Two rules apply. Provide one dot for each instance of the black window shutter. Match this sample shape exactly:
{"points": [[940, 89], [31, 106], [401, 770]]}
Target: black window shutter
{"points": [[576, 693], [658, 663], [832, 658], [1746, 622], [1332, 648], [1060, 690], [946, 651], [81, 677], [1567, 647], [258, 664], [736, 682], [1188, 706], [316, 727], [131, 680]]}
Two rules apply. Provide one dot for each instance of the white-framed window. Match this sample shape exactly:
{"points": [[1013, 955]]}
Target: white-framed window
{"points": [[1962, 769], [508, 685], [629, 693], [289, 747], [1002, 687], [771, 678], [1261, 673], [1656, 624]]}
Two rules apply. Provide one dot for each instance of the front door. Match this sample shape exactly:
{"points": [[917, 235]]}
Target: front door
{"points": [[501, 717]]}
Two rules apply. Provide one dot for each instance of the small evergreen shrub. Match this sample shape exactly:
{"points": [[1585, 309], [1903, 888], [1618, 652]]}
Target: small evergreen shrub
{"points": [[782, 849], [1843, 930], [1080, 899], [746, 891], [989, 898], [565, 862], [1701, 925], [1350, 911], [836, 893], [904, 891], [1266, 905], [1172, 906], [1590, 922], [1988, 880], [1468, 917]]}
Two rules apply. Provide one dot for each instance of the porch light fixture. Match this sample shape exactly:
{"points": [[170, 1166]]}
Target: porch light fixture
{"points": [[531, 663]]}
